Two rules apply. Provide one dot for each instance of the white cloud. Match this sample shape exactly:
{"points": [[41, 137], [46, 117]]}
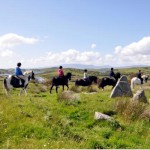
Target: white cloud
{"points": [[6, 53], [136, 53], [140, 47], [10, 40], [93, 45], [70, 56]]}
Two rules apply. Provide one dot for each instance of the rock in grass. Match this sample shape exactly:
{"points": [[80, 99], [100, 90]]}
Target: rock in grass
{"points": [[70, 95], [101, 116], [140, 96]]}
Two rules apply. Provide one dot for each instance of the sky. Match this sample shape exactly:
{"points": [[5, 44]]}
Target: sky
{"points": [[46, 33]]}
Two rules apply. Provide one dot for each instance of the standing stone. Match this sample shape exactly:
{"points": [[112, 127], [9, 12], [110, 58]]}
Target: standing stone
{"points": [[122, 88], [140, 96]]}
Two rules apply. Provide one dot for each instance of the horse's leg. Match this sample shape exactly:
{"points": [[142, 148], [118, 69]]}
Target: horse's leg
{"points": [[141, 86], [63, 87], [25, 91], [7, 92], [21, 91], [67, 86], [56, 89], [51, 88]]}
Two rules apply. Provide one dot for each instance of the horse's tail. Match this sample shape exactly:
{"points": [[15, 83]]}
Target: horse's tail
{"points": [[76, 83], [101, 84], [5, 84], [132, 83]]}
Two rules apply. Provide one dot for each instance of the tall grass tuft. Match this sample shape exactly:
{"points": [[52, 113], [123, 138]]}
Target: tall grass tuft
{"points": [[132, 110], [92, 88]]}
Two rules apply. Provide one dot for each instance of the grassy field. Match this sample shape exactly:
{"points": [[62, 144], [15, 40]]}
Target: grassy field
{"points": [[49, 121]]}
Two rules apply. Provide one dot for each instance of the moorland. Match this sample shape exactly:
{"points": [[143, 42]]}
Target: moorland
{"points": [[51, 121]]}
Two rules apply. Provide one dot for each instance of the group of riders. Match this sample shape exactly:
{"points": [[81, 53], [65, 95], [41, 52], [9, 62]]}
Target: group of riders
{"points": [[18, 73], [138, 74]]}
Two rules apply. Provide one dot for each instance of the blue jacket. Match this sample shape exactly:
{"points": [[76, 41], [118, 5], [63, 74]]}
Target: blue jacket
{"points": [[18, 71]]}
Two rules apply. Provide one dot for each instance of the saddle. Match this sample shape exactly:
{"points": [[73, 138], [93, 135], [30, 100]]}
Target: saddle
{"points": [[17, 82]]}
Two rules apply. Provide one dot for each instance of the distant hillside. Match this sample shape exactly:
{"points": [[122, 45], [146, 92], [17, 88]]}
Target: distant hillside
{"points": [[82, 66]]}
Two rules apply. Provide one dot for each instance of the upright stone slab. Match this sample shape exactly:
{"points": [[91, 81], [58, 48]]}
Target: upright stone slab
{"points": [[122, 88], [140, 96]]}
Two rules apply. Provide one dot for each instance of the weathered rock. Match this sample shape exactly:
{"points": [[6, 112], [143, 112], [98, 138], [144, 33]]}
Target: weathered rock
{"points": [[122, 88], [70, 95], [140, 96], [101, 116], [40, 80]]}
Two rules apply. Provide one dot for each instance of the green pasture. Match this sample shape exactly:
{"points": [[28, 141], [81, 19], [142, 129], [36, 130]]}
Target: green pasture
{"points": [[49, 121]]}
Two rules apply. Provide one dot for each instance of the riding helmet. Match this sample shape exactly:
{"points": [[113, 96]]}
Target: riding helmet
{"points": [[19, 64]]}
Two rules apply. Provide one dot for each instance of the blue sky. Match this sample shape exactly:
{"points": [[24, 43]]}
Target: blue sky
{"points": [[44, 33]]}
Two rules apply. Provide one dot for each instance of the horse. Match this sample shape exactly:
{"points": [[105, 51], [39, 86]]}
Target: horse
{"points": [[137, 81], [145, 78], [56, 81], [13, 81], [86, 82], [109, 81]]}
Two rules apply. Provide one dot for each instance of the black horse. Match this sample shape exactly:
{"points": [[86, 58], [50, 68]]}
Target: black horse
{"points": [[56, 81], [109, 81], [86, 82]]}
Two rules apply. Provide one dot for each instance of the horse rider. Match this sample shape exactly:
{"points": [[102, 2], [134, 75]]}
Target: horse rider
{"points": [[85, 76], [19, 74], [112, 74], [60, 72], [139, 75]]}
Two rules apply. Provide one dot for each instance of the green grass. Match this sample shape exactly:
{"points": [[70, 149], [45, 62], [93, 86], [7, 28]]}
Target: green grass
{"points": [[45, 121]]}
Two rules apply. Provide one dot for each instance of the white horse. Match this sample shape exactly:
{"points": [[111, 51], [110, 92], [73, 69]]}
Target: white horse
{"points": [[15, 82], [137, 81], [145, 78]]}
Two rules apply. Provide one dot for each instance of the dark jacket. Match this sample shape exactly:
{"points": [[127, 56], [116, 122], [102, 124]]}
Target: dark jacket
{"points": [[139, 75], [112, 74]]}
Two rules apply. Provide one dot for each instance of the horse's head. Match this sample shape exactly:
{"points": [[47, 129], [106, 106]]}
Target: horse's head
{"points": [[117, 75], [68, 75], [145, 77], [29, 74], [93, 79]]}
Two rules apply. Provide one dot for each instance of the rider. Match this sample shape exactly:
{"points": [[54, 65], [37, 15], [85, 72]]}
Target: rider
{"points": [[18, 73], [85, 76], [139, 75], [112, 74], [60, 72]]}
